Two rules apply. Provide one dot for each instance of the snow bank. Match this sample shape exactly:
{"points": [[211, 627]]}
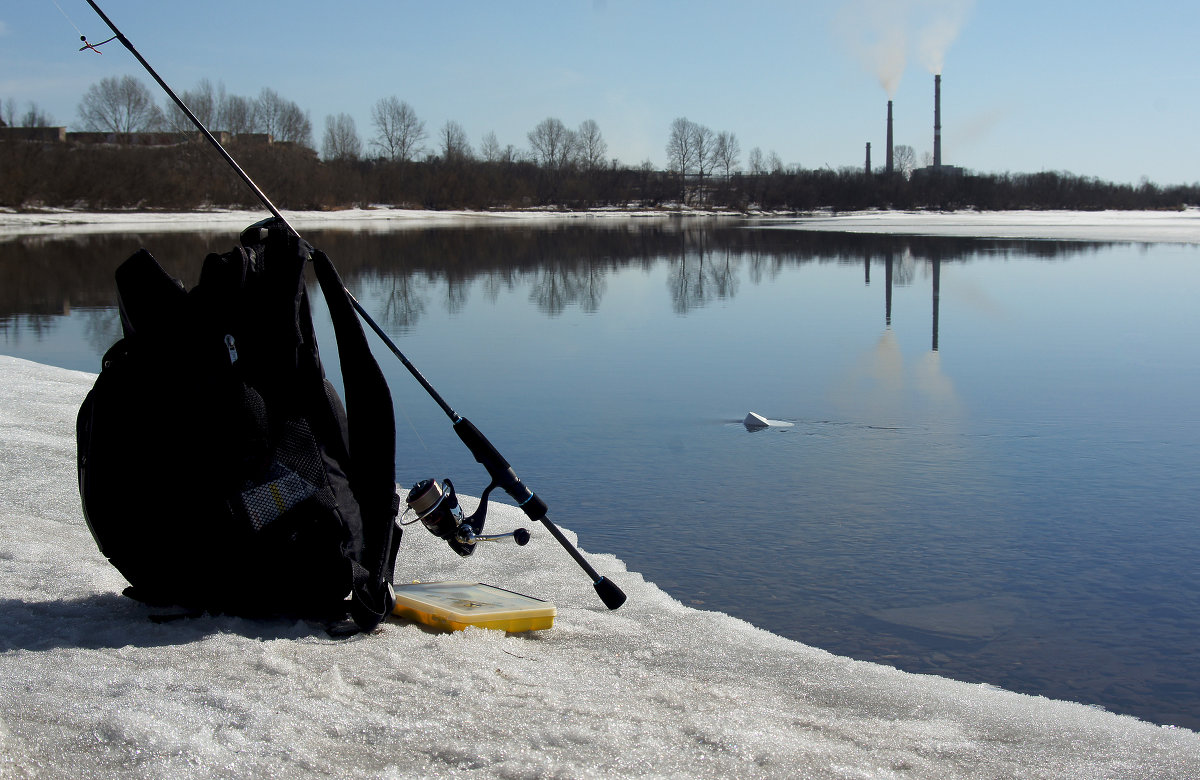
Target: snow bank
{"points": [[62, 221], [1134, 226], [90, 687]]}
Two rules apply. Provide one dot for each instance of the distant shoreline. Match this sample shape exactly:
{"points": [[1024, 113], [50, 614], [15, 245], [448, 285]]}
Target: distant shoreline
{"points": [[1135, 226], [47, 221]]}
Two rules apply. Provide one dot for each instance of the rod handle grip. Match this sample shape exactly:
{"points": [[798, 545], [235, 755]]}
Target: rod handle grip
{"points": [[497, 467], [612, 596]]}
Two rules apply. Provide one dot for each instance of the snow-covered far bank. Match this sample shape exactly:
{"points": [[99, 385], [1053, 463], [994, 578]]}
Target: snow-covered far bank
{"points": [[1135, 226], [91, 687], [65, 221], [1181, 227]]}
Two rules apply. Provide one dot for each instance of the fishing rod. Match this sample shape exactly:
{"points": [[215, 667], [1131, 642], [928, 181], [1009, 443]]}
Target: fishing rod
{"points": [[427, 492]]}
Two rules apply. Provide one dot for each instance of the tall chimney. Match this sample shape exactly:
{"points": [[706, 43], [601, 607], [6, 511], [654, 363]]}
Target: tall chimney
{"points": [[868, 158], [888, 169], [937, 121]]}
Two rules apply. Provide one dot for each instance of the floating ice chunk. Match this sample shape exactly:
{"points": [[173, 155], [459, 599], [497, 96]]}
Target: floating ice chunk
{"points": [[756, 422]]}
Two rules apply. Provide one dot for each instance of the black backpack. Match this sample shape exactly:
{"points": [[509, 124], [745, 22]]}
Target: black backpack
{"points": [[218, 468]]}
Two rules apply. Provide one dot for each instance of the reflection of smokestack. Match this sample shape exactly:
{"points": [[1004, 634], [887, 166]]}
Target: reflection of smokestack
{"points": [[937, 121], [887, 296], [868, 158], [937, 294], [888, 170]]}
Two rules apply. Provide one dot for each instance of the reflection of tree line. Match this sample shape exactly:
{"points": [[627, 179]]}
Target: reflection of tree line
{"points": [[701, 273], [51, 275], [567, 266], [562, 264]]}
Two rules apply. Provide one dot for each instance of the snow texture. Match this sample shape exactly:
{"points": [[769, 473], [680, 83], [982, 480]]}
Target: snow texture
{"points": [[1134, 226], [57, 222], [91, 687], [1182, 227]]}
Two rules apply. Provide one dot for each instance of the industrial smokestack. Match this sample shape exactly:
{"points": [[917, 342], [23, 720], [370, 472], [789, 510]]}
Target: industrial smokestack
{"points": [[868, 158], [889, 140], [937, 123]]}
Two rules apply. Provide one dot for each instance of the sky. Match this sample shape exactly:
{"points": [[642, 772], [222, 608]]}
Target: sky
{"points": [[1098, 89]]}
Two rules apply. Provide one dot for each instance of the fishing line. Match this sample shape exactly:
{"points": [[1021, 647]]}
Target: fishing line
{"points": [[93, 46], [64, 13]]}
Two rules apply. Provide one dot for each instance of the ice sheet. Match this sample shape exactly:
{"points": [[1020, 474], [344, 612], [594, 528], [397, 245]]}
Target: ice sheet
{"points": [[1135, 226], [1132, 226]]}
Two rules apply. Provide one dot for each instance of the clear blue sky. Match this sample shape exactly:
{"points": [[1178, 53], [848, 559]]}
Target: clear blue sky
{"points": [[1104, 89]]}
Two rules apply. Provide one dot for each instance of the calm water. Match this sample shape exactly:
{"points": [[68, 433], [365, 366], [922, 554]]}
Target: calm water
{"points": [[993, 471]]}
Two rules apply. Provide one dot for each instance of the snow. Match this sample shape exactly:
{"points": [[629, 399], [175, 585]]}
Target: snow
{"points": [[66, 221], [1133, 226], [91, 687]]}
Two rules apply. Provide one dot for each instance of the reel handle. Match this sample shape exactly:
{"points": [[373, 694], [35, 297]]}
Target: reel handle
{"points": [[467, 535]]}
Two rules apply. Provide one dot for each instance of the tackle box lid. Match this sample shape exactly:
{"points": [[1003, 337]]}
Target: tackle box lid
{"points": [[456, 605]]}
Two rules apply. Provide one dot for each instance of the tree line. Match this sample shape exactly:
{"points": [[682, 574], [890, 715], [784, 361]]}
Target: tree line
{"points": [[403, 163]]}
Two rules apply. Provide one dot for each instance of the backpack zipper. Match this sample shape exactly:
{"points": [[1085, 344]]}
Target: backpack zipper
{"points": [[231, 345]]}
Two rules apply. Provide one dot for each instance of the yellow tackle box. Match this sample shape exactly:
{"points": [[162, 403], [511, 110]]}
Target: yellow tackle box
{"points": [[455, 605]]}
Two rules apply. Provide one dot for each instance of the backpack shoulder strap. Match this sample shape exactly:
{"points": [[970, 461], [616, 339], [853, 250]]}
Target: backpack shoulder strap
{"points": [[371, 434], [372, 443]]}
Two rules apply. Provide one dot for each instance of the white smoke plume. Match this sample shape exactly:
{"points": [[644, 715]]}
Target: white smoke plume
{"points": [[876, 32], [881, 33], [938, 23]]}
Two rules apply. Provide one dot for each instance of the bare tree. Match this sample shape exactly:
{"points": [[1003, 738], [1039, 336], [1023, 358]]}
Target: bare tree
{"points": [[703, 146], [269, 110], [201, 101], [727, 151], [681, 156], [282, 118], [689, 151], [774, 163], [34, 117], [8, 113], [490, 149], [398, 131], [239, 115], [592, 148], [454, 143], [341, 140], [119, 105], [904, 159], [553, 144], [757, 165]]}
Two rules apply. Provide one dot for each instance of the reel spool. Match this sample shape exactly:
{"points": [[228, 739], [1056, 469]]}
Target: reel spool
{"points": [[438, 510]]}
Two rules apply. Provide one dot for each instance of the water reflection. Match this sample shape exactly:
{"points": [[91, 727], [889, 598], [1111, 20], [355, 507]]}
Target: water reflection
{"points": [[936, 263], [403, 303], [41, 277], [557, 286]]}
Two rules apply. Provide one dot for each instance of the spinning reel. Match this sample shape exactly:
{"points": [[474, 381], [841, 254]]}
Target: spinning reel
{"points": [[438, 510]]}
